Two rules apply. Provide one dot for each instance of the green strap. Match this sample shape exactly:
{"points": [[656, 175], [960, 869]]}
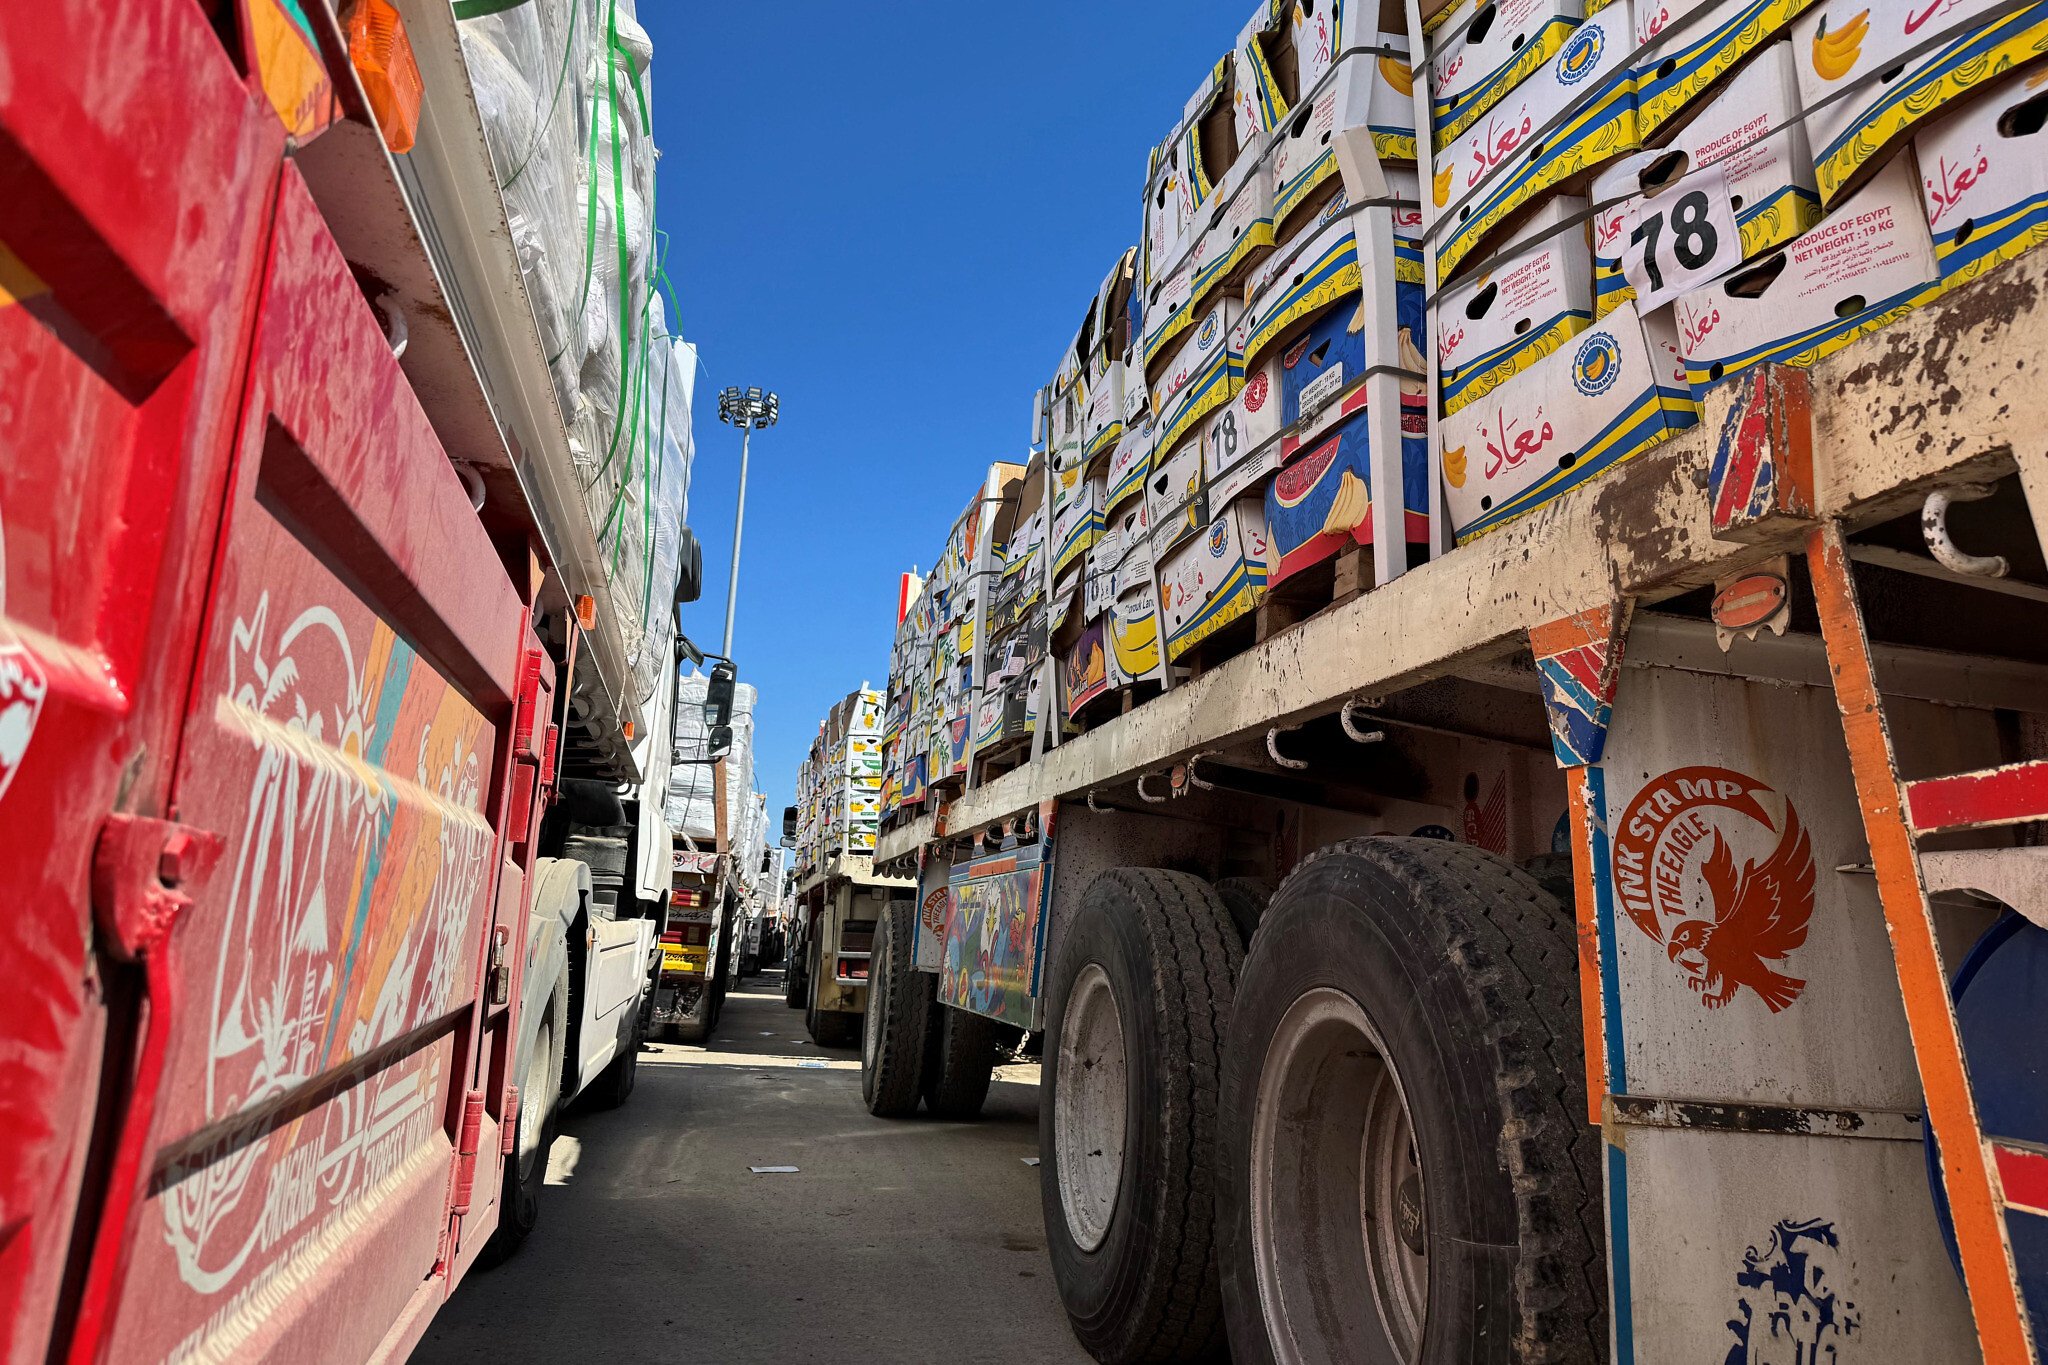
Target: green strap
{"points": [[477, 9]]}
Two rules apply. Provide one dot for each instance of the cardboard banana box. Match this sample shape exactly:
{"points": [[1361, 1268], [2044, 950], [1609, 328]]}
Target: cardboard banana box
{"points": [[1321, 499], [1493, 325], [1477, 61], [1687, 47], [1215, 578], [1753, 132], [1871, 72], [1602, 398], [1984, 176], [1569, 117], [1370, 89], [1867, 263]]}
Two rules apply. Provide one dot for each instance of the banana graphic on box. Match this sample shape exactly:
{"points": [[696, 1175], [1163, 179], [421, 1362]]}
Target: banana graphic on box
{"points": [[1396, 74], [1835, 54], [1352, 506]]}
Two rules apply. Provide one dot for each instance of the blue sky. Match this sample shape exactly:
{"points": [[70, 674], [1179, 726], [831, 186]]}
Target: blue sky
{"points": [[893, 215]]}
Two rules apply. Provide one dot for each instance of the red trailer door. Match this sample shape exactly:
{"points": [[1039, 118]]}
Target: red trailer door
{"points": [[135, 179], [355, 681]]}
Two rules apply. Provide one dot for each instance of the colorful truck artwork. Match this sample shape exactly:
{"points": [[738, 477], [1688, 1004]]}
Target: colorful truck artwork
{"points": [[995, 935]]}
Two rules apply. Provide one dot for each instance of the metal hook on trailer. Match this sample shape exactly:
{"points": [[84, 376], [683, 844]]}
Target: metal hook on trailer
{"points": [[395, 331], [1195, 779], [1273, 750], [1934, 526], [1351, 730], [1147, 797]]}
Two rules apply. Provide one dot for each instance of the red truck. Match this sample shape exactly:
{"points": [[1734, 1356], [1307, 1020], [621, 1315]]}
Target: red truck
{"points": [[297, 647]]}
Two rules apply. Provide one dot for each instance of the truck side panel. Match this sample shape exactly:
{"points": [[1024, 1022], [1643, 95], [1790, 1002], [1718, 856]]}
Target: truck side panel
{"points": [[136, 171], [347, 741]]}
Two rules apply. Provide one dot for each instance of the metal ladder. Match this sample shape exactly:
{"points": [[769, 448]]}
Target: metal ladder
{"points": [[1985, 1177]]}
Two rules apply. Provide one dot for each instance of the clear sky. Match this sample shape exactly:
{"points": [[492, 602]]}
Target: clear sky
{"points": [[894, 216]]}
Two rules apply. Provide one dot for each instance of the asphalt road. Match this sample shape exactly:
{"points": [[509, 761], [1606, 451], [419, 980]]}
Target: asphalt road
{"points": [[894, 1241]]}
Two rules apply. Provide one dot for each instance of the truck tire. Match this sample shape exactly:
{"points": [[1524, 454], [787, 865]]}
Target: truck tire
{"points": [[899, 1017], [697, 1022], [795, 979], [835, 1028], [526, 1170], [1246, 899], [960, 1061], [1127, 1119], [614, 1085], [1405, 1044]]}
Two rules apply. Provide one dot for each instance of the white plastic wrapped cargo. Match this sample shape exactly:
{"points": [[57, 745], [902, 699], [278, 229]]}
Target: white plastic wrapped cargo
{"points": [[691, 812], [563, 90]]}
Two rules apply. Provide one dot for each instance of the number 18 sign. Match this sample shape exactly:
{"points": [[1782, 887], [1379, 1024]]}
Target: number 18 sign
{"points": [[1682, 237]]}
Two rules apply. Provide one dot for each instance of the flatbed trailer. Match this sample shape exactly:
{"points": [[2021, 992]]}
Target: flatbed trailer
{"points": [[1645, 1140]]}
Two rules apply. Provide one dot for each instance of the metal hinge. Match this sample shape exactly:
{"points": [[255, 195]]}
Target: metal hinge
{"points": [[140, 868], [467, 1140]]}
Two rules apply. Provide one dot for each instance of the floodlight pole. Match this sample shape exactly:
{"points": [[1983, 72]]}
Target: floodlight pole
{"points": [[739, 523], [745, 409]]}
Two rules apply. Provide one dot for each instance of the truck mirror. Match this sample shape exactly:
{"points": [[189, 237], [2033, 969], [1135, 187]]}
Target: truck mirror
{"points": [[721, 742], [718, 695], [789, 822]]}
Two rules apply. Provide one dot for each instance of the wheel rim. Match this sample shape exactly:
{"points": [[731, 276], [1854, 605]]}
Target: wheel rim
{"points": [[1090, 1108], [1339, 1221], [533, 1108]]}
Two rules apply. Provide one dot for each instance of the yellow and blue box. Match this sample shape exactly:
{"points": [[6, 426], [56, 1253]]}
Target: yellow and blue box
{"points": [[1134, 618], [1330, 357], [1855, 116], [1868, 263], [1321, 500], [1605, 396], [1753, 132], [1240, 231], [1686, 48], [1077, 514], [1173, 495], [1493, 325], [1570, 117], [1214, 579], [1367, 91], [1984, 177], [1202, 375], [1488, 50], [1241, 444], [1318, 268], [1128, 465]]}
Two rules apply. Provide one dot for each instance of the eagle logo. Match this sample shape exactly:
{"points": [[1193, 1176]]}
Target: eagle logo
{"points": [[1722, 918]]}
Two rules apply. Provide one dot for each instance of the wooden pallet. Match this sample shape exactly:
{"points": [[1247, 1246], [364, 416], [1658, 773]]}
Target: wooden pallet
{"points": [[1337, 580]]}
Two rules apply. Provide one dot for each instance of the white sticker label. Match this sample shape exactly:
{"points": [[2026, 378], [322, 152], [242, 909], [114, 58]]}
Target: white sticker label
{"points": [[1316, 395], [1684, 237]]}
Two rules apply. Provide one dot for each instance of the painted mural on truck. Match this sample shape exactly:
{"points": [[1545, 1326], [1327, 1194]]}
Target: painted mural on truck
{"points": [[346, 911], [994, 934]]}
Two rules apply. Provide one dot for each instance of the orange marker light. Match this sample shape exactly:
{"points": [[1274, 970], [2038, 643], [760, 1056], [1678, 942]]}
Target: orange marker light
{"points": [[586, 611], [383, 59]]}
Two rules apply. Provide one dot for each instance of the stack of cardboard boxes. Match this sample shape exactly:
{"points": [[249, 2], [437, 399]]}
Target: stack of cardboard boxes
{"points": [[1626, 203], [1680, 191], [839, 785]]}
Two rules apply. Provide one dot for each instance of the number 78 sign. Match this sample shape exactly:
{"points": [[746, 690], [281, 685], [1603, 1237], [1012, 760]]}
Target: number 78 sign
{"points": [[1682, 237]]}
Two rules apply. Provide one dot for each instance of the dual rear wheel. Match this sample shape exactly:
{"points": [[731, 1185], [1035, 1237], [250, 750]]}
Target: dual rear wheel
{"points": [[912, 1047], [1364, 1139]]}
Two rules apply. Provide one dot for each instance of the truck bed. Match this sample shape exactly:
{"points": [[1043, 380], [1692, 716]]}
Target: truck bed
{"points": [[1947, 392]]}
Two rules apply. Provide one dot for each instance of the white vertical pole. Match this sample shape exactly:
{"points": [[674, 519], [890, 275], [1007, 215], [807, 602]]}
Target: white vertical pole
{"points": [[739, 524]]}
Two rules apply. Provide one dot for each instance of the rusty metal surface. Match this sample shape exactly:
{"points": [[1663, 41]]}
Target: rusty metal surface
{"points": [[1755, 1247], [1749, 968]]}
